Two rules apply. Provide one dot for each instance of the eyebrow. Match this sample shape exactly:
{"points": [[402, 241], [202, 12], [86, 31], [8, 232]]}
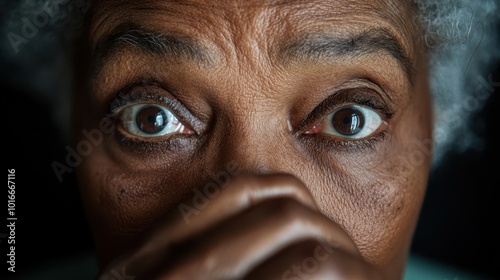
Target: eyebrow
{"points": [[319, 47], [149, 42], [311, 47]]}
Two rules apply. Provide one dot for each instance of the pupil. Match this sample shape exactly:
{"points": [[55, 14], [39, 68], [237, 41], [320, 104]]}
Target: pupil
{"points": [[151, 119], [348, 121]]}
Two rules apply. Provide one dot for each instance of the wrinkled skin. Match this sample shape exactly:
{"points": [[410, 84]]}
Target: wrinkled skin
{"points": [[250, 105]]}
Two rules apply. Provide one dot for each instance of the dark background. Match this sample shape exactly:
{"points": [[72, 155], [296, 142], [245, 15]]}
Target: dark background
{"points": [[458, 223], [456, 226]]}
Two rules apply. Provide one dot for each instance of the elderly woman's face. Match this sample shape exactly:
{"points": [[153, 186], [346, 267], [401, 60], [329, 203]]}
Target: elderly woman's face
{"points": [[333, 92]]}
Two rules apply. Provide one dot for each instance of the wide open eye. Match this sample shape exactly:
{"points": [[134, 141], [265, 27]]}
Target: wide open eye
{"points": [[150, 120], [351, 122]]}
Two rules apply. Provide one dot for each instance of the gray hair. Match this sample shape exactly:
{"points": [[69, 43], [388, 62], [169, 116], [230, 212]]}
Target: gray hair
{"points": [[462, 38], [460, 35]]}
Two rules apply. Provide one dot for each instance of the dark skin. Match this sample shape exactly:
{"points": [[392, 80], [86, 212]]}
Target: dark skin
{"points": [[257, 84]]}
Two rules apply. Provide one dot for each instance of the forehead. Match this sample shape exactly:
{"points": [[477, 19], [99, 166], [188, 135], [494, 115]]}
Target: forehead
{"points": [[256, 21]]}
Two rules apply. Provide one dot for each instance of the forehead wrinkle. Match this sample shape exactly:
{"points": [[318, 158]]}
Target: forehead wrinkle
{"points": [[154, 15], [397, 16], [230, 25], [153, 43], [320, 47]]}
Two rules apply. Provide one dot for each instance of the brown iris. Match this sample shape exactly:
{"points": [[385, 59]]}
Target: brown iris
{"points": [[151, 119], [348, 121]]}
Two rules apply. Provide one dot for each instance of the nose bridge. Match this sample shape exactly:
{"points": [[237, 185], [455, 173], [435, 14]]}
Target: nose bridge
{"points": [[251, 139], [253, 133], [250, 116]]}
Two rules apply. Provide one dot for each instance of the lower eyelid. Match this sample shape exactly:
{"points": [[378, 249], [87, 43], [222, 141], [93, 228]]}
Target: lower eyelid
{"points": [[324, 143], [148, 150], [145, 94], [362, 96]]}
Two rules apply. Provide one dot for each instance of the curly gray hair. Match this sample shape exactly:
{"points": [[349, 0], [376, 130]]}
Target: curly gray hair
{"points": [[461, 37]]}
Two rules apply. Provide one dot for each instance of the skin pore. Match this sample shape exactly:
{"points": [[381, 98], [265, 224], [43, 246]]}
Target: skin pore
{"points": [[255, 83]]}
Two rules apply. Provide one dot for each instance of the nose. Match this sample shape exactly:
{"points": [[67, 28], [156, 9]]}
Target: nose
{"points": [[257, 139]]}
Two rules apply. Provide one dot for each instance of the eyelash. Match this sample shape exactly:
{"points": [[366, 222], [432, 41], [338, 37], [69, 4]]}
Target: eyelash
{"points": [[357, 96], [128, 98], [325, 143], [346, 97], [122, 99]]}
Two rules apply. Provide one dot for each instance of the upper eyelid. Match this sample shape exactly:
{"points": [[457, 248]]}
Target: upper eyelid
{"points": [[150, 94], [344, 97], [155, 95], [117, 109], [126, 97]]}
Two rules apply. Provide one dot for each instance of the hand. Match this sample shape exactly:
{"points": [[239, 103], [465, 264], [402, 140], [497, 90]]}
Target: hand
{"points": [[257, 227]]}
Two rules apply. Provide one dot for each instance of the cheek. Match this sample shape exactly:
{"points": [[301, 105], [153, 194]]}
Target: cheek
{"points": [[377, 208], [122, 200], [132, 200], [376, 195]]}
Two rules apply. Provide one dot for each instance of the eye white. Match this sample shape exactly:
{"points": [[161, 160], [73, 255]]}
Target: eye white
{"points": [[161, 123], [352, 122]]}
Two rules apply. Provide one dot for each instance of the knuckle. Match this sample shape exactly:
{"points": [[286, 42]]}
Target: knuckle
{"points": [[287, 209]]}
